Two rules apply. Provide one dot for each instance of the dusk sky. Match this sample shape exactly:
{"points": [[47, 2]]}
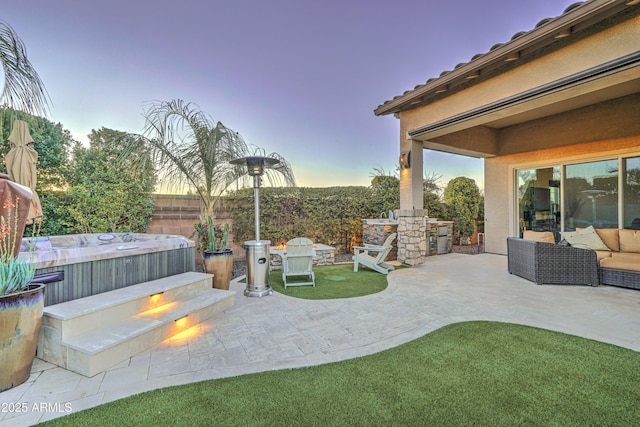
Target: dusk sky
{"points": [[297, 77]]}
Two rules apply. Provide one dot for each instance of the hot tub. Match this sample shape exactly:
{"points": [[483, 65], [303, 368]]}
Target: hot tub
{"points": [[96, 263]]}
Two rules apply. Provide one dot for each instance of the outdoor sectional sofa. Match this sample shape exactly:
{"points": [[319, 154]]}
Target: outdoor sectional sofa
{"points": [[548, 263], [608, 256], [620, 265]]}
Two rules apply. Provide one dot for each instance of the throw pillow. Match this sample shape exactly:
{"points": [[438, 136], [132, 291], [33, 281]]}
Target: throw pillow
{"points": [[585, 239], [609, 237], [538, 236], [630, 241]]}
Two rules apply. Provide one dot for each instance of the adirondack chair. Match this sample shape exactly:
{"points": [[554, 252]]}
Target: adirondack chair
{"points": [[298, 261], [374, 262]]}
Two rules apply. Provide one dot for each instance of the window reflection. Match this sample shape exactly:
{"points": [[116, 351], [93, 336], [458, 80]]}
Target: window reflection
{"points": [[591, 195], [632, 193], [539, 199]]}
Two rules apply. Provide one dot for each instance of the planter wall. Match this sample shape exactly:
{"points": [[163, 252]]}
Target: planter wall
{"points": [[20, 320]]}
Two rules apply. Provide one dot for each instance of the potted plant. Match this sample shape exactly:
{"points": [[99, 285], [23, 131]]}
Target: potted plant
{"points": [[217, 259], [21, 302]]}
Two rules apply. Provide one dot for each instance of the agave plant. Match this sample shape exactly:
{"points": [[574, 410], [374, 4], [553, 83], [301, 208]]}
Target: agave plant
{"points": [[15, 275]]}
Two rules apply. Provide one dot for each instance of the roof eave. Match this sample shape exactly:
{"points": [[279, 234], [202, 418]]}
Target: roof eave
{"points": [[547, 32]]}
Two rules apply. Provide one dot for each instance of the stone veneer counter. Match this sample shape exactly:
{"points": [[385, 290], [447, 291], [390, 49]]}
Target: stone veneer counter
{"points": [[375, 232]]}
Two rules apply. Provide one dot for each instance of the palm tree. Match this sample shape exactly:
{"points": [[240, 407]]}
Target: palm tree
{"points": [[194, 153], [23, 90]]}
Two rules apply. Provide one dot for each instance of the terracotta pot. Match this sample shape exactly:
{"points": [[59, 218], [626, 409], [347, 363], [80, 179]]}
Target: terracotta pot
{"points": [[220, 264], [20, 320]]}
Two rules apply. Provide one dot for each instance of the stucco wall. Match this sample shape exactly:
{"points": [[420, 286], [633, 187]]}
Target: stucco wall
{"points": [[609, 120], [499, 172]]}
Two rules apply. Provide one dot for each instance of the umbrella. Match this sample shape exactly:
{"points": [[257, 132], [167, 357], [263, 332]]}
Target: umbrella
{"points": [[21, 164]]}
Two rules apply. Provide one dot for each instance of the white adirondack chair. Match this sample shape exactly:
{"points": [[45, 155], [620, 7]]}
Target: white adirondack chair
{"points": [[374, 262], [298, 261]]}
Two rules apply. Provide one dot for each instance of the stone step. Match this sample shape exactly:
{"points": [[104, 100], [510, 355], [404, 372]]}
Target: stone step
{"points": [[99, 350], [91, 334], [79, 316]]}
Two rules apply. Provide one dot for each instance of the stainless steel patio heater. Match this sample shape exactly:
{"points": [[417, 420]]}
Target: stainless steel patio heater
{"points": [[257, 250]]}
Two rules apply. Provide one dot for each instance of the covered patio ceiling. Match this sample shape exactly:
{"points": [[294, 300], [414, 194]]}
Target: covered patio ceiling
{"points": [[610, 81]]}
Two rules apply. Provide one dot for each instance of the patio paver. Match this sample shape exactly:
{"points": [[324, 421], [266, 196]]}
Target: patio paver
{"points": [[277, 332]]}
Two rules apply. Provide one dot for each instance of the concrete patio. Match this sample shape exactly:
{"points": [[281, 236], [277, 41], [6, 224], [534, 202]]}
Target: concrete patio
{"points": [[278, 332]]}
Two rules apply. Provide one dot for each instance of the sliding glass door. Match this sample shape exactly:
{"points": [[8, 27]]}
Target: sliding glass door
{"points": [[603, 193], [632, 193], [591, 195], [539, 200]]}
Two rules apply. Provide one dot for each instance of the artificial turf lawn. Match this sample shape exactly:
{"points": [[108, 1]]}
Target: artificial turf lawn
{"points": [[472, 373], [332, 281]]}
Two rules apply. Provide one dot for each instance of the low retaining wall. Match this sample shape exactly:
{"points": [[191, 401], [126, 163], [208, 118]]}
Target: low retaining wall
{"points": [[325, 255]]}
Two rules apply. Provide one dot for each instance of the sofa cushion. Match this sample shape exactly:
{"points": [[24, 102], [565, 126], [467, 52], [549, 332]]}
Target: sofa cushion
{"points": [[628, 255], [604, 254], [539, 236], [620, 263], [585, 239], [629, 240], [610, 237]]}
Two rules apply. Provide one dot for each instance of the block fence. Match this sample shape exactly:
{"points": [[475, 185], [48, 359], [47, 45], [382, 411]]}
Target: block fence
{"points": [[176, 214]]}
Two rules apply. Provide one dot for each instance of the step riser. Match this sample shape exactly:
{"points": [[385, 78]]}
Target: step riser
{"points": [[92, 364], [112, 315], [95, 333]]}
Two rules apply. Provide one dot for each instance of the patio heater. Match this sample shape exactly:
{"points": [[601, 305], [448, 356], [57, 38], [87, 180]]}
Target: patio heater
{"points": [[257, 250]]}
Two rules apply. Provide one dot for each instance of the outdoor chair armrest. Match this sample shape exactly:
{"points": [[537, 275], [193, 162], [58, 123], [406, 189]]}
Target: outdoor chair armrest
{"points": [[373, 247], [357, 250]]}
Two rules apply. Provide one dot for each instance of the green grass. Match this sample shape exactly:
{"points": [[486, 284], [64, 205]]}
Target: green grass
{"points": [[332, 281], [473, 373]]}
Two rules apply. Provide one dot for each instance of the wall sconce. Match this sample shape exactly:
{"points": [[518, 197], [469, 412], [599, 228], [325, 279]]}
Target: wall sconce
{"points": [[405, 160]]}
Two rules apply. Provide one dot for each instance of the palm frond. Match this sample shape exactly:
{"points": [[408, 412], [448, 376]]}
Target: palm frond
{"points": [[23, 90], [192, 151]]}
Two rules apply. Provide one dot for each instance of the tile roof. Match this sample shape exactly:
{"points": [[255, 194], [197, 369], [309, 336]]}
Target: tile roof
{"points": [[473, 68]]}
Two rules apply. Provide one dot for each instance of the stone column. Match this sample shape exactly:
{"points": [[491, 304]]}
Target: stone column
{"points": [[412, 236]]}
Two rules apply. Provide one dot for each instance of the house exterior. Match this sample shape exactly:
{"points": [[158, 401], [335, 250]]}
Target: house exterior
{"points": [[555, 114]]}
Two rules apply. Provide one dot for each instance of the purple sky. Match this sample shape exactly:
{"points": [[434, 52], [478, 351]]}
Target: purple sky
{"points": [[298, 77]]}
